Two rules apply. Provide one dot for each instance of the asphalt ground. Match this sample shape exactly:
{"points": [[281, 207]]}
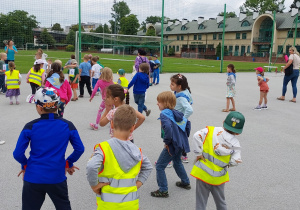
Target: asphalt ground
{"points": [[268, 178]]}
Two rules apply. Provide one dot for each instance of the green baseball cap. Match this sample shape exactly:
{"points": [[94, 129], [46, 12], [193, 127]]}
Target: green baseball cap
{"points": [[121, 72], [234, 122]]}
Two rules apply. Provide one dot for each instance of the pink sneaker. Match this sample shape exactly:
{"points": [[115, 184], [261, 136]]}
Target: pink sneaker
{"points": [[11, 103], [94, 126], [17, 102]]}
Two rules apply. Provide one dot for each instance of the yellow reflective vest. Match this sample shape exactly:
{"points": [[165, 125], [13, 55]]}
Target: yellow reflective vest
{"points": [[214, 170], [124, 82], [121, 193], [12, 79], [36, 77]]}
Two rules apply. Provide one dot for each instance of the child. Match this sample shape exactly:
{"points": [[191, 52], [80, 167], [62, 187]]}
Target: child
{"points": [[90, 59], [3, 68], [184, 101], [122, 79], [12, 82], [49, 61], [105, 80], [85, 76], [264, 88], [115, 96], [231, 79], [141, 84], [117, 167], [96, 72], [36, 75], [152, 65], [44, 171], [222, 149], [73, 79], [156, 70], [175, 129], [69, 61], [41, 55], [98, 61], [56, 80]]}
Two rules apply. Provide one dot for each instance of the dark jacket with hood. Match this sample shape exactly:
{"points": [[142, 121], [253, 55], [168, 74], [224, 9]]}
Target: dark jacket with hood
{"points": [[140, 82]]}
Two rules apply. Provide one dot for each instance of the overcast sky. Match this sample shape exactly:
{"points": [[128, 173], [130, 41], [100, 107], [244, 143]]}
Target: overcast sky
{"points": [[65, 12]]}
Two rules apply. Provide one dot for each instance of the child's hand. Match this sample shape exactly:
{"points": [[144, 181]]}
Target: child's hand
{"points": [[97, 188], [71, 170], [224, 145], [91, 99], [19, 82], [138, 184], [200, 157], [22, 172]]}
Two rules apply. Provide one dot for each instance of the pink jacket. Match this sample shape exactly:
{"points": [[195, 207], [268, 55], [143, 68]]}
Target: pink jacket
{"points": [[64, 91], [102, 84]]}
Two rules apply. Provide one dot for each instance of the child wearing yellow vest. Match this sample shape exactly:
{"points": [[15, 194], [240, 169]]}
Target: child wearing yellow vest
{"points": [[122, 79], [118, 168], [12, 83], [216, 148], [36, 75]]}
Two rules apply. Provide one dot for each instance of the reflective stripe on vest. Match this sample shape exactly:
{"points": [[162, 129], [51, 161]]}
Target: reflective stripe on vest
{"points": [[12, 79], [121, 193], [214, 170], [36, 77]]}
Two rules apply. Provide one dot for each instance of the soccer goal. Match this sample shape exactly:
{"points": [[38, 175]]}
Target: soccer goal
{"points": [[32, 46]]}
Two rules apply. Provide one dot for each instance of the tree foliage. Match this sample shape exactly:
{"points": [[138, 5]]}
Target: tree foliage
{"points": [[71, 38], [57, 27], [106, 30], [46, 38], [150, 19], [129, 25], [150, 32], [76, 28], [228, 14], [119, 11], [262, 6]]}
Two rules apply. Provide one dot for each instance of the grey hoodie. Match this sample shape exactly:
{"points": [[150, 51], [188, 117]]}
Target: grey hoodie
{"points": [[127, 155]]}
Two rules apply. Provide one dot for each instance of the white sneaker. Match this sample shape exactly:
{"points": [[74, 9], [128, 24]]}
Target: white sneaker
{"points": [[258, 108], [2, 142]]}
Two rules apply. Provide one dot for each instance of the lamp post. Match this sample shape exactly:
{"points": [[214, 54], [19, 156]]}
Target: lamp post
{"points": [[79, 30]]}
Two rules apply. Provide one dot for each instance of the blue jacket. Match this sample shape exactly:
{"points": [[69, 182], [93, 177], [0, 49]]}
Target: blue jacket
{"points": [[49, 137], [140, 82], [176, 129], [184, 103]]}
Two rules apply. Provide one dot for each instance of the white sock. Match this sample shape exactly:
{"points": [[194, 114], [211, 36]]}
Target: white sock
{"points": [[265, 105], [17, 98], [11, 98]]}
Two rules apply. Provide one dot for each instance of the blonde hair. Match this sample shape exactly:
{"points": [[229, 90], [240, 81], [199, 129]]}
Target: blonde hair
{"points": [[86, 57], [124, 118], [39, 54], [58, 61], [168, 99], [294, 50], [106, 74], [2, 54]]}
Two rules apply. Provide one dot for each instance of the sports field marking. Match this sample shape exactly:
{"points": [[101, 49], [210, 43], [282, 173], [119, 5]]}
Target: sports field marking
{"points": [[194, 65]]}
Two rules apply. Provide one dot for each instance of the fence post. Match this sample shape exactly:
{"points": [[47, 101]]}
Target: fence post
{"points": [[273, 31], [223, 37], [162, 35], [79, 31]]}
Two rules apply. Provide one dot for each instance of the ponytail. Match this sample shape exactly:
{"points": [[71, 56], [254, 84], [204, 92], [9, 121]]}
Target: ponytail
{"points": [[37, 67], [56, 68], [11, 66]]}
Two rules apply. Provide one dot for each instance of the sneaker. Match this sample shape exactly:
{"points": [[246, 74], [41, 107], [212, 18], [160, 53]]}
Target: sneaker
{"points": [[258, 108], [11, 103], [169, 165], [98, 94], [150, 84], [17, 102], [184, 186], [184, 159], [80, 96], [148, 112], [94, 126], [264, 107], [2, 142], [159, 194]]}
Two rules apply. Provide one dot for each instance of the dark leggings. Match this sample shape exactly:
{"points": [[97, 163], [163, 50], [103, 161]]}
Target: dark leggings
{"points": [[33, 87]]}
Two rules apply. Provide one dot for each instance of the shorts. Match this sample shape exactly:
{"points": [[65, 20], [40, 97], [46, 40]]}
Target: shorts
{"points": [[264, 91], [74, 85], [151, 74]]}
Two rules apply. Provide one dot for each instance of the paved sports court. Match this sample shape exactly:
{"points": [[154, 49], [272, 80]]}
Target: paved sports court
{"points": [[268, 178]]}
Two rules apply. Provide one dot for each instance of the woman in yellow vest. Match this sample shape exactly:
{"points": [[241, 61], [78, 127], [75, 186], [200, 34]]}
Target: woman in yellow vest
{"points": [[12, 83], [216, 148], [36, 75]]}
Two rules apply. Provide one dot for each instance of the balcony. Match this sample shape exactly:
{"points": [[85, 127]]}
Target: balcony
{"points": [[262, 40]]}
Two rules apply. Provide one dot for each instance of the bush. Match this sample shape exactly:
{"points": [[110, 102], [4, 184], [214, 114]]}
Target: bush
{"points": [[70, 48], [171, 51]]}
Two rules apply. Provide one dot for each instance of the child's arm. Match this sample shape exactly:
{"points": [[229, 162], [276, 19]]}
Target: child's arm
{"points": [[198, 140], [20, 78], [22, 144], [77, 76], [168, 128], [183, 102], [132, 82], [141, 119], [145, 172], [267, 79], [27, 76], [94, 91], [106, 117], [77, 146]]}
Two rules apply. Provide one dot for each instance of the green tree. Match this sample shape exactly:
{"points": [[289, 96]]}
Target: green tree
{"points": [[46, 38], [57, 27], [150, 32], [218, 50], [76, 28], [70, 39], [119, 11], [263, 5], [106, 30], [129, 25], [228, 14]]}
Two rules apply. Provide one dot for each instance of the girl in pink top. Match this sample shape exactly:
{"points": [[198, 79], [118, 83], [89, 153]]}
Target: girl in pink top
{"points": [[105, 80], [56, 80]]}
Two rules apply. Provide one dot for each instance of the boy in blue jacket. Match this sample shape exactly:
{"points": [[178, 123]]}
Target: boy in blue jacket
{"points": [[141, 84], [175, 130], [44, 171]]}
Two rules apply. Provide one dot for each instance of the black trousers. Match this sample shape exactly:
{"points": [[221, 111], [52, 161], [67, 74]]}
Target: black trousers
{"points": [[33, 87], [85, 80], [33, 195]]}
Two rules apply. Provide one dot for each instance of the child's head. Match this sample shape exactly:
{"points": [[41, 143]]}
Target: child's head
{"points": [[40, 50], [72, 56], [56, 68], [49, 61], [11, 66], [58, 61], [124, 118], [154, 57], [97, 57], [3, 56], [73, 61], [85, 57], [150, 58], [106, 74], [94, 60], [179, 83], [142, 52], [230, 68], [121, 72], [90, 56], [46, 100], [144, 67], [38, 55], [166, 100], [115, 94], [38, 64], [234, 123], [259, 70]]}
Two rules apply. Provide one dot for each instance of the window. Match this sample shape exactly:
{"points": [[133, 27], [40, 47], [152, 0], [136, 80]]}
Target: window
{"points": [[291, 34], [177, 37], [177, 48], [201, 26], [298, 34], [214, 36], [248, 49], [183, 28], [220, 36], [220, 25], [182, 37], [236, 50], [238, 35], [245, 23], [200, 37], [280, 49], [230, 49], [244, 35], [168, 28], [210, 46], [195, 37], [166, 37]]}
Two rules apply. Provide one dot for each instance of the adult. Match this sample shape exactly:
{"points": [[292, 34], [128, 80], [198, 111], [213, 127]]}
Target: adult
{"points": [[10, 50], [141, 58], [295, 60]]}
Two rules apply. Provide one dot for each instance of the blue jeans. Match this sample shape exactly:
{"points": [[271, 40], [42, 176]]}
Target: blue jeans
{"points": [[2, 83], [293, 78], [139, 99], [161, 165], [94, 81], [156, 76]]}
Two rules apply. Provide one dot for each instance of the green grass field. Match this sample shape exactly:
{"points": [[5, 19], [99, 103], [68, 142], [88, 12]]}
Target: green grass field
{"points": [[24, 61]]}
